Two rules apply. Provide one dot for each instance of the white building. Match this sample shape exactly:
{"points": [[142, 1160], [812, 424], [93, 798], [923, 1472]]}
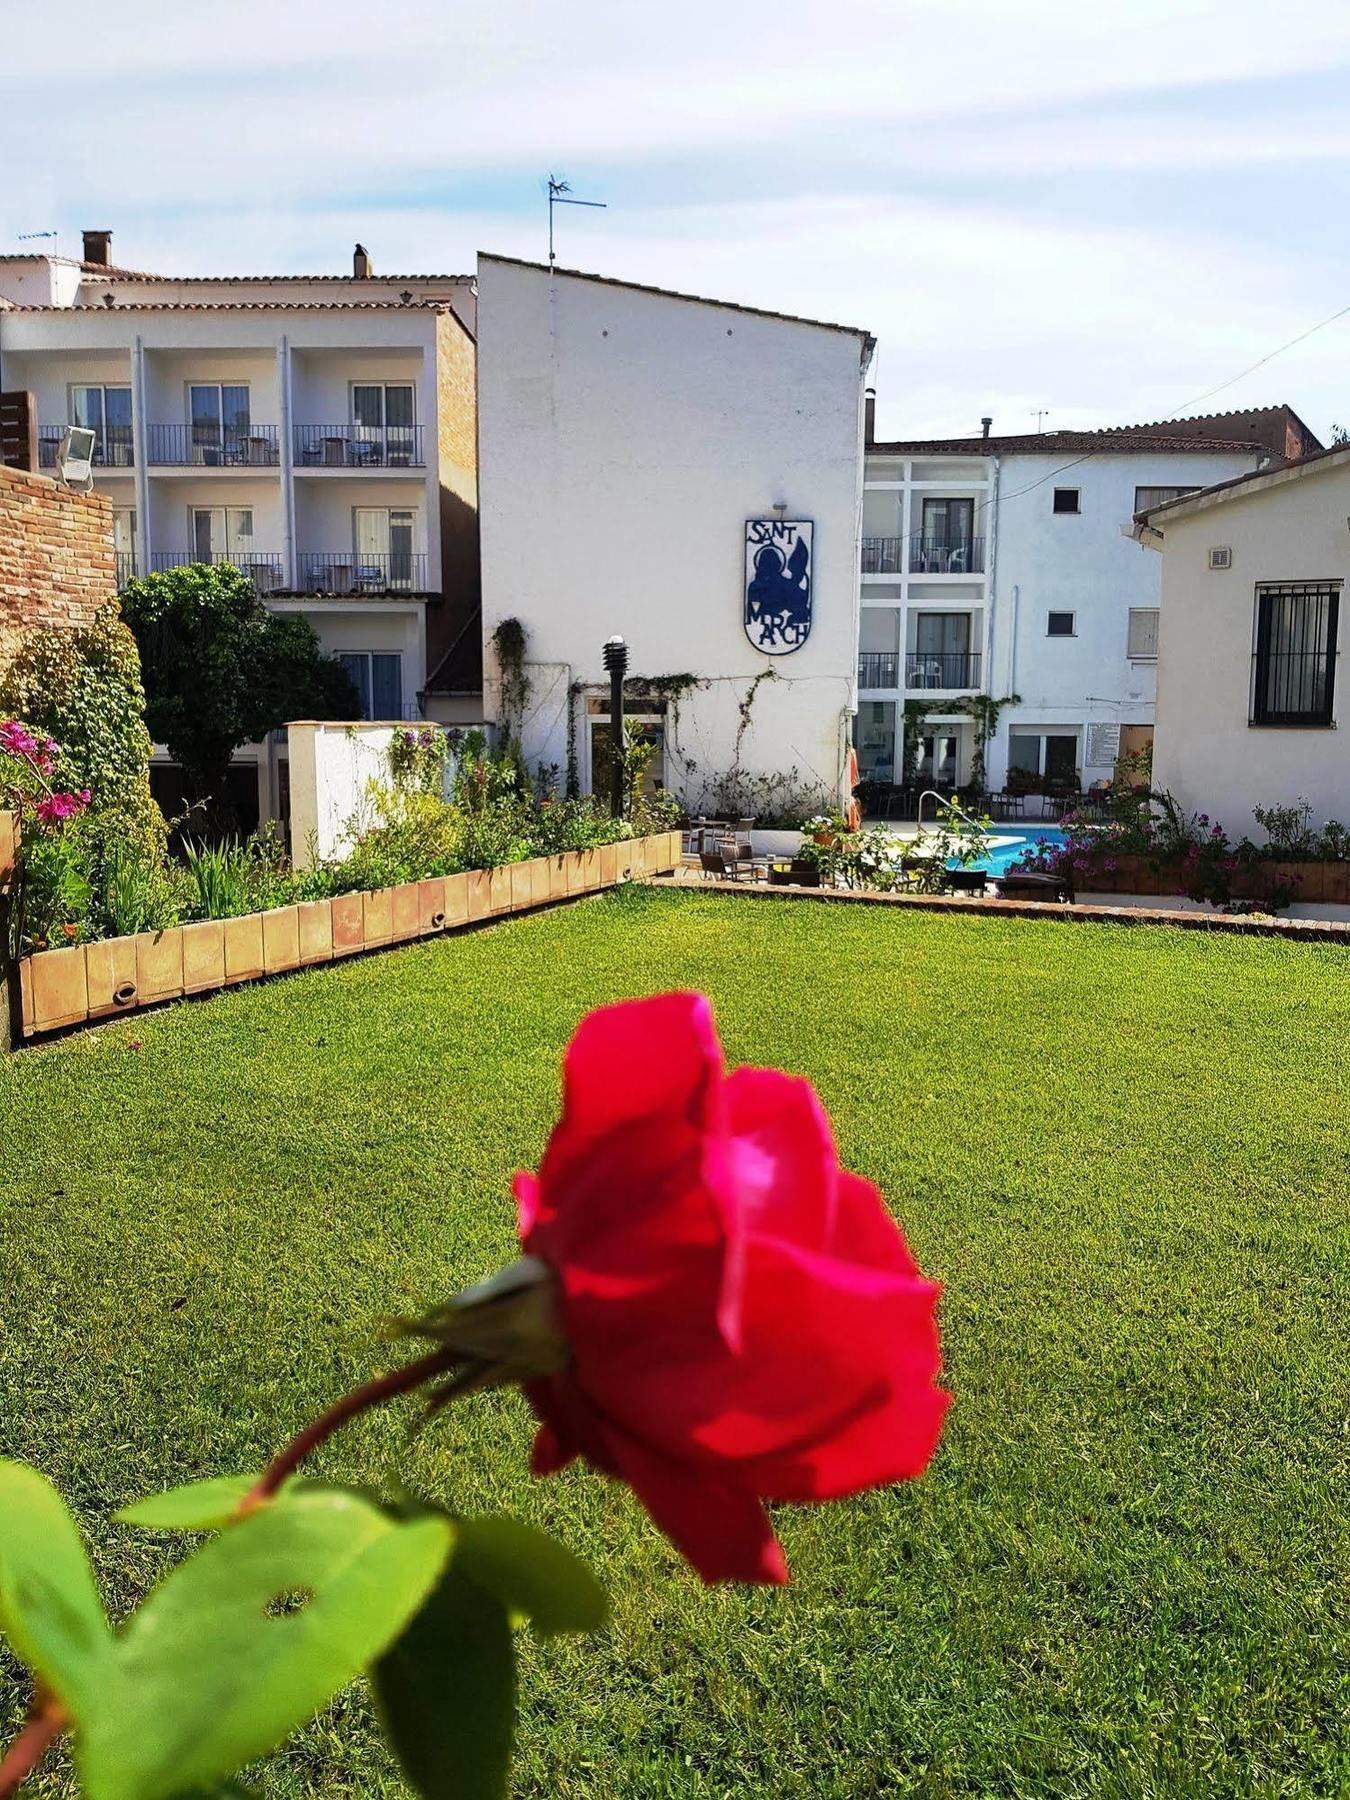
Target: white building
{"points": [[995, 566], [1249, 694], [316, 431], [626, 437]]}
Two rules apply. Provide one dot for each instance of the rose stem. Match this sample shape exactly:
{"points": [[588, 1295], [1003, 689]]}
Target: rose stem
{"points": [[46, 1723], [362, 1399]]}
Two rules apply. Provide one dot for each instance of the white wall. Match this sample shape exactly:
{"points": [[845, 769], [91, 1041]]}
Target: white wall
{"points": [[624, 439], [1079, 563], [1205, 750]]}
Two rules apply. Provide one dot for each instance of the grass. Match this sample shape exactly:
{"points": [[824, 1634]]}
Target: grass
{"points": [[1124, 1152]]}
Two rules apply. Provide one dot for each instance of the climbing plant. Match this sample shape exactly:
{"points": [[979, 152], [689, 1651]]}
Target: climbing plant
{"points": [[984, 710], [508, 645]]}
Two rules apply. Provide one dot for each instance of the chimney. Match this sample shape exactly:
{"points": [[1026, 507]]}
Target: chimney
{"points": [[986, 424], [98, 247], [870, 417], [361, 269]]}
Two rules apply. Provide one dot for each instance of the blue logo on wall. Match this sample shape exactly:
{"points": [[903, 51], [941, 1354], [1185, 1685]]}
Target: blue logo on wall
{"points": [[777, 584]]}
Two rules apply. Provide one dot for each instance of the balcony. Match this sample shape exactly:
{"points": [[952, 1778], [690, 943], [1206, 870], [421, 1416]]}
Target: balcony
{"points": [[882, 555], [348, 572], [213, 446], [949, 670], [112, 451], [945, 556], [358, 447], [878, 668], [266, 569]]}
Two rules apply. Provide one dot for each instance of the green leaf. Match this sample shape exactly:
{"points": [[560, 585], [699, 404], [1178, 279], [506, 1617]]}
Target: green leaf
{"points": [[446, 1691], [49, 1606], [532, 1575], [197, 1506], [250, 1636]]}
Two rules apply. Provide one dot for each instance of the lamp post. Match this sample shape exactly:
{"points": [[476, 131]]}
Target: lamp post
{"points": [[616, 661]]}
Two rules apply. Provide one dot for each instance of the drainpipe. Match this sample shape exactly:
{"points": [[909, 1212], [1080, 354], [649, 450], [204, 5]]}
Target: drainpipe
{"points": [[287, 463], [139, 436]]}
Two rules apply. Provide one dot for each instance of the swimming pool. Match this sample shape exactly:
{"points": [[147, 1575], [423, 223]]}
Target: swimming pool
{"points": [[1008, 848]]}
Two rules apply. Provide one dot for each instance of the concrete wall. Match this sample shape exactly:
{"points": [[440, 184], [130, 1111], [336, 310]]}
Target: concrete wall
{"points": [[1206, 752], [56, 556], [1079, 563], [625, 437]]}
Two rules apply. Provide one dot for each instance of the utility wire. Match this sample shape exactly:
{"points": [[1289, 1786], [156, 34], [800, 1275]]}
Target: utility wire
{"points": [[1185, 405]]}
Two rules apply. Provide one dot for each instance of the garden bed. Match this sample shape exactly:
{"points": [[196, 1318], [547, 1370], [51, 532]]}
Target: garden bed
{"points": [[1307, 880], [62, 988]]}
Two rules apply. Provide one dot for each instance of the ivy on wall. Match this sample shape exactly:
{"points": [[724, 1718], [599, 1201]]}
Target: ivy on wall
{"points": [[508, 646]]}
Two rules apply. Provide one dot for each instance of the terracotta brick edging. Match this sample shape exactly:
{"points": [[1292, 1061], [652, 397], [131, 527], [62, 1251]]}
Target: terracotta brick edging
{"points": [[1313, 931], [63, 988]]}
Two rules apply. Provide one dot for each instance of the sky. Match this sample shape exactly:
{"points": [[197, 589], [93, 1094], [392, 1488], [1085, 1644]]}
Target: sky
{"points": [[1094, 211]]}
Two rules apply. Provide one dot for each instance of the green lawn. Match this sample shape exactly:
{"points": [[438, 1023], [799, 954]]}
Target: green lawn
{"points": [[1123, 1151]]}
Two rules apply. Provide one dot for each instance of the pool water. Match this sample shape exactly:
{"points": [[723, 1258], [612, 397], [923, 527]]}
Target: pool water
{"points": [[1008, 848]]}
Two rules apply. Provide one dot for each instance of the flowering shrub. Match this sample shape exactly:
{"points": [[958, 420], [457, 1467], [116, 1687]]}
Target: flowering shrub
{"points": [[708, 1308], [873, 858], [53, 889]]}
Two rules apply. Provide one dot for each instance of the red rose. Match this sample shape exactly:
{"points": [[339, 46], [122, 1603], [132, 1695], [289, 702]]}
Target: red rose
{"points": [[743, 1318]]}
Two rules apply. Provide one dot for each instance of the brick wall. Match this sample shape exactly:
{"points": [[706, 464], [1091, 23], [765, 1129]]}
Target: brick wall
{"points": [[57, 565], [457, 448]]}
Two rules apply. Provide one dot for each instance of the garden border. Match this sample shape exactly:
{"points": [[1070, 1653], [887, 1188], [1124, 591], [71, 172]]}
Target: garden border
{"points": [[1317, 931], [88, 983]]}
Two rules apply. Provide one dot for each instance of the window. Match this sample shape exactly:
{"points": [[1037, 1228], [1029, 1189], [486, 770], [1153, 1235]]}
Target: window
{"points": [[1147, 497], [1049, 755], [1060, 624], [382, 422], [1295, 662], [378, 678], [106, 411], [1141, 644], [221, 533], [941, 655], [1066, 500], [218, 415]]}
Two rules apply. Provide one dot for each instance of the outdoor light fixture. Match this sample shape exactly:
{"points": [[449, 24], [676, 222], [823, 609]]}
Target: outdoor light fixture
{"points": [[616, 661]]}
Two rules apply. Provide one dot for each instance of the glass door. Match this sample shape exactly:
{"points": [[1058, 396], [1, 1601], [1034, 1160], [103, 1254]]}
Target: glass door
{"points": [[125, 543], [106, 411], [941, 650], [384, 546], [222, 533], [382, 423], [947, 529], [219, 421]]}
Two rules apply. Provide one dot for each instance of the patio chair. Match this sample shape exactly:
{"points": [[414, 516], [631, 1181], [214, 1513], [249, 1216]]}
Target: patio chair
{"points": [[968, 881], [715, 866], [1036, 887]]}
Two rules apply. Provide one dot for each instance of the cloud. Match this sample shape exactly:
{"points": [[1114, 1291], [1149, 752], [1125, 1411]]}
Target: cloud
{"points": [[1097, 208]]}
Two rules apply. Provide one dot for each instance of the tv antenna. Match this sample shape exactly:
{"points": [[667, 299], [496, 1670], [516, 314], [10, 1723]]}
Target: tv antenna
{"points": [[1038, 413], [560, 194], [28, 237]]}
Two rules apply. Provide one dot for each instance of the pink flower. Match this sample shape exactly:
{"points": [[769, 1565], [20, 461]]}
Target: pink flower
{"points": [[62, 806], [18, 742], [743, 1318]]}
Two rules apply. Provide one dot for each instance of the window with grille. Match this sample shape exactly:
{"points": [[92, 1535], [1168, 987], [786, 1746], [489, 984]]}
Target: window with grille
{"points": [[1142, 642], [1294, 671]]}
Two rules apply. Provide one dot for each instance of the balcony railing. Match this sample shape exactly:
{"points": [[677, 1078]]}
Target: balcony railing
{"points": [[350, 572], [126, 566], [882, 555], [112, 451], [877, 668], [264, 568], [945, 556], [358, 447], [944, 670], [213, 446]]}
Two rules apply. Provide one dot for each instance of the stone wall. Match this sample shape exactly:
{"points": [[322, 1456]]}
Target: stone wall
{"points": [[57, 565]]}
